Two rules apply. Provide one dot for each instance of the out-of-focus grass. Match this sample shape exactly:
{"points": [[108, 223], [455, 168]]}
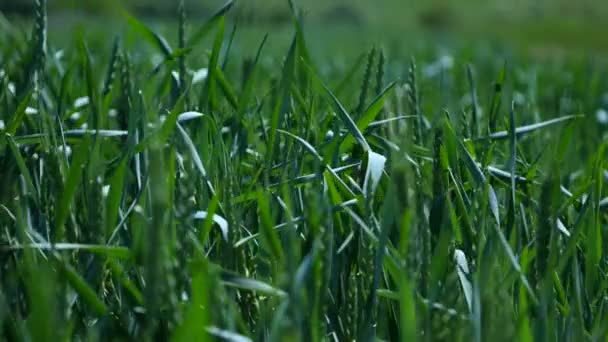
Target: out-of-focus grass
{"points": [[555, 24], [193, 179]]}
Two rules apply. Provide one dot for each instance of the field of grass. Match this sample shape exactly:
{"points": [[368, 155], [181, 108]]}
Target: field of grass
{"points": [[201, 183]]}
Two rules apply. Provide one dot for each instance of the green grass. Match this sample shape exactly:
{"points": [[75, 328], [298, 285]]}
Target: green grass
{"points": [[303, 190]]}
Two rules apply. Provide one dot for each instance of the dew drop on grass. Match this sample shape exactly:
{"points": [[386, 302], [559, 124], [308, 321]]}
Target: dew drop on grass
{"points": [[81, 102], [75, 116], [31, 111], [187, 116], [602, 116], [199, 75], [105, 190]]}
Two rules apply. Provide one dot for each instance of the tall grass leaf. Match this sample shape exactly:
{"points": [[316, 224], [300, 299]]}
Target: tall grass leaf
{"points": [[512, 167], [63, 88], [269, 235], [17, 117], [366, 81], [282, 100], [474, 102], [497, 99], [115, 195], [479, 178], [197, 313], [162, 134], [248, 88], [515, 263], [465, 219], [21, 165], [70, 187], [120, 274], [227, 53], [413, 93], [83, 289], [196, 159], [95, 120], [210, 82], [572, 243], [369, 115], [226, 89], [152, 37], [181, 43], [197, 36], [598, 226], [112, 68], [380, 73]]}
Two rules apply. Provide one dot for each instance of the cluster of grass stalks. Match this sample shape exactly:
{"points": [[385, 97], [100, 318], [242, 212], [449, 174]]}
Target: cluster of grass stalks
{"points": [[148, 199]]}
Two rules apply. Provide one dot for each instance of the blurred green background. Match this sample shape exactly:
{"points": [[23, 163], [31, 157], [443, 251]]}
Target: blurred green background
{"points": [[546, 26]]}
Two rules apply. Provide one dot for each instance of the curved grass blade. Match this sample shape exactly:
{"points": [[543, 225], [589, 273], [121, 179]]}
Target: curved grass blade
{"points": [[221, 222], [521, 131], [348, 121], [369, 115], [234, 280], [304, 143]]}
